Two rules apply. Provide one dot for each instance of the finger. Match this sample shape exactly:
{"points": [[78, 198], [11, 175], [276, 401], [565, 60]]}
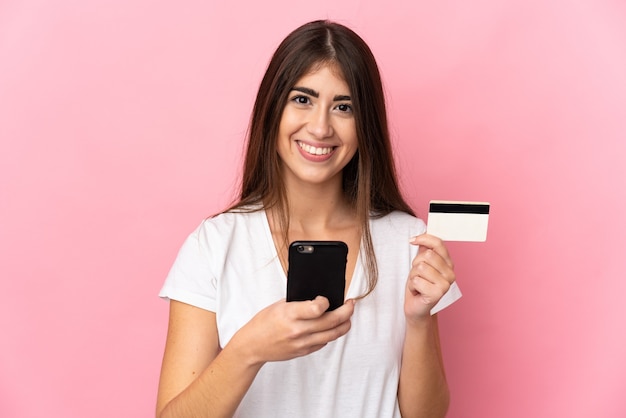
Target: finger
{"points": [[310, 309], [429, 292], [328, 334], [434, 243], [426, 272], [333, 319], [439, 266]]}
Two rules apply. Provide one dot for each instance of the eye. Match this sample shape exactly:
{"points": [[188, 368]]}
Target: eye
{"points": [[300, 99], [344, 108]]}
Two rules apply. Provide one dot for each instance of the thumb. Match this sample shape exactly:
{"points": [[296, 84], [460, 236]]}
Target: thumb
{"points": [[312, 309]]}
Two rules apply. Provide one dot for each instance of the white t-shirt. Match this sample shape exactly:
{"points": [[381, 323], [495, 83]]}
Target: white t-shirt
{"points": [[229, 266]]}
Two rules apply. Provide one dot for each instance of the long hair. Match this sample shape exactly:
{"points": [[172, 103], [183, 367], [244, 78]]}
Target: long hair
{"points": [[369, 180]]}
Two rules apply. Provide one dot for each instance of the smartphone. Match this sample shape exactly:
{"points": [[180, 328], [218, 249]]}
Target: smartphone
{"points": [[317, 268]]}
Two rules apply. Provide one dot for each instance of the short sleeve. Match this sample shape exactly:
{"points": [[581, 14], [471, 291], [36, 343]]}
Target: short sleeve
{"points": [[191, 279]]}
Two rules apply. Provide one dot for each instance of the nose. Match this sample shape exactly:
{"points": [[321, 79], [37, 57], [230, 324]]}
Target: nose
{"points": [[319, 124]]}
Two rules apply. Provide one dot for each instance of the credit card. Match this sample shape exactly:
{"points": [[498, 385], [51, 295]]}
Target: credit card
{"points": [[458, 221]]}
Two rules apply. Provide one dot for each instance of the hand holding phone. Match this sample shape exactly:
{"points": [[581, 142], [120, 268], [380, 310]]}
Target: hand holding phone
{"points": [[317, 268]]}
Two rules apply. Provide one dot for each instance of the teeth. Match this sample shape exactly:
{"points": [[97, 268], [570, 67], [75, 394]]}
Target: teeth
{"points": [[314, 150]]}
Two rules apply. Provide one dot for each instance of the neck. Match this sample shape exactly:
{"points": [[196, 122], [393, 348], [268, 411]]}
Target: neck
{"points": [[316, 206], [316, 209]]}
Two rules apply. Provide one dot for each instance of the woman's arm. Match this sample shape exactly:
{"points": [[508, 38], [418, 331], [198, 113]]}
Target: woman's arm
{"points": [[195, 375], [423, 390], [197, 379]]}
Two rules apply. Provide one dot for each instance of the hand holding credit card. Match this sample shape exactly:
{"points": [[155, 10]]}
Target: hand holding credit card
{"points": [[458, 221]]}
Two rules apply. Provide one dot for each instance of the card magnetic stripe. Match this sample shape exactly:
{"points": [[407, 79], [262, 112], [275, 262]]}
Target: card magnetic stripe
{"points": [[459, 208]]}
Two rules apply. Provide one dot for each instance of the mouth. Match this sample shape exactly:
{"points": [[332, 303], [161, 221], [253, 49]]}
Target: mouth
{"points": [[315, 150]]}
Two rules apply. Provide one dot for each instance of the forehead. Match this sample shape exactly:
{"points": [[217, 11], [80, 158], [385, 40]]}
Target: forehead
{"points": [[326, 74]]}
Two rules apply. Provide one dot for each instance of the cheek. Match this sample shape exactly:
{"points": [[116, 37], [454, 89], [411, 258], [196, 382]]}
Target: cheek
{"points": [[281, 147], [284, 146], [283, 133], [353, 153], [352, 138], [288, 118]]}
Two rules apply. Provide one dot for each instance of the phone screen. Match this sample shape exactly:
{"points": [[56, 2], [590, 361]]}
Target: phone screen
{"points": [[317, 268]]}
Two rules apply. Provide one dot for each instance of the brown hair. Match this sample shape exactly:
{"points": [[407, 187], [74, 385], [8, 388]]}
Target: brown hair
{"points": [[369, 179]]}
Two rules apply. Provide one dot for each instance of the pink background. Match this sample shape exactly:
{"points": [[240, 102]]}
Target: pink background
{"points": [[121, 127]]}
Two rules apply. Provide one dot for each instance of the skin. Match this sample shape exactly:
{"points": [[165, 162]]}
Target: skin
{"points": [[317, 114], [423, 390], [199, 379]]}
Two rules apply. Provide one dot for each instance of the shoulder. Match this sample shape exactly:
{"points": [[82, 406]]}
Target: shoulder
{"points": [[218, 232], [398, 223], [225, 221]]}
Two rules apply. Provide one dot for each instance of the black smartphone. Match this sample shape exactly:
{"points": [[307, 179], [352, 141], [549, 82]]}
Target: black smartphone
{"points": [[317, 268]]}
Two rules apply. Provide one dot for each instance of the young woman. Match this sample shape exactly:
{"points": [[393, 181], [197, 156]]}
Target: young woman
{"points": [[318, 166]]}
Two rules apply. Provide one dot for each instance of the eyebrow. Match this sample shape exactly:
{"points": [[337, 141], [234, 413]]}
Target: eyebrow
{"points": [[311, 92]]}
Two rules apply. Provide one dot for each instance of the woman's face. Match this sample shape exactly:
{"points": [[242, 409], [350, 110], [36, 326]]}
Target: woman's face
{"points": [[317, 133]]}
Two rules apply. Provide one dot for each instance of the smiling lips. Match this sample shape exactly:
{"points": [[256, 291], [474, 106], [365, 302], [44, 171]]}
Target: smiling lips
{"points": [[311, 150]]}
